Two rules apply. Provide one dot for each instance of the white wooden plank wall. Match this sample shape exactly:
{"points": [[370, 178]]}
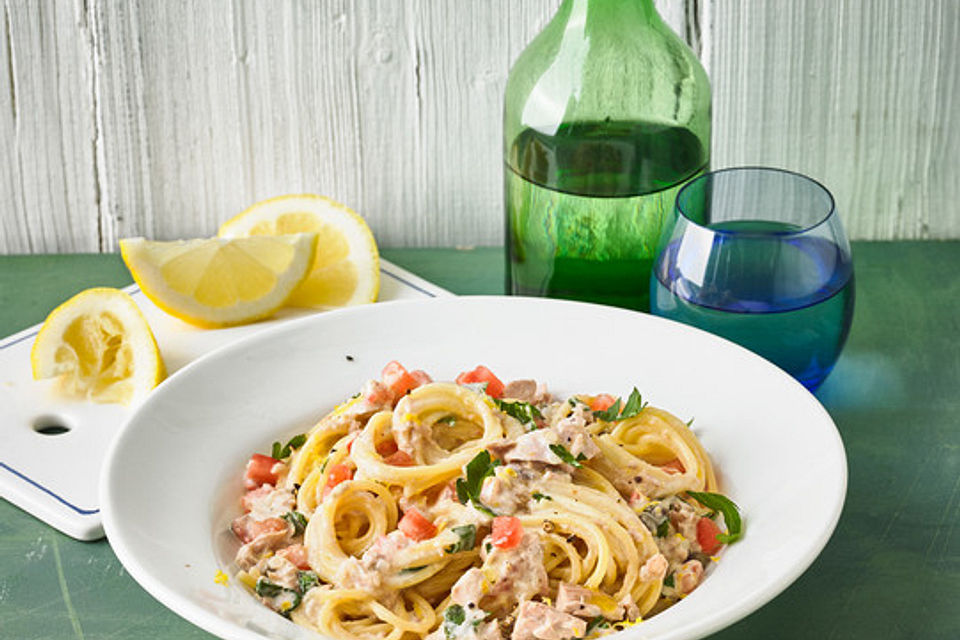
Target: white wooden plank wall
{"points": [[165, 117]]}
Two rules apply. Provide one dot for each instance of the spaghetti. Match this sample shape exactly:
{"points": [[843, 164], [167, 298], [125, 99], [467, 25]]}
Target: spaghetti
{"points": [[478, 510]]}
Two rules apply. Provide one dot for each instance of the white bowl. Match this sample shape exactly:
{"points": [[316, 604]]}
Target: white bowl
{"points": [[173, 475]]}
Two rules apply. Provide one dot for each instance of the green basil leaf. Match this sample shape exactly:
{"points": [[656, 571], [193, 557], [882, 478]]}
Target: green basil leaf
{"points": [[663, 529], [468, 538], [634, 406], [307, 580], [668, 581], [598, 622], [566, 456], [523, 412], [730, 511], [297, 519], [453, 617]]}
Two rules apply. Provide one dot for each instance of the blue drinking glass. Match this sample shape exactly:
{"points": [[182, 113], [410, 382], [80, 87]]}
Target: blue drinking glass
{"points": [[759, 256]]}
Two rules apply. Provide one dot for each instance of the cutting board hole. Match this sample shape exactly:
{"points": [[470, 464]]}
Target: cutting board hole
{"points": [[50, 426]]}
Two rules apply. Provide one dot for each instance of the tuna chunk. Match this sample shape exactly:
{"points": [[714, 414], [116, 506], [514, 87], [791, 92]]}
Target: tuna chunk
{"points": [[587, 603], [574, 436], [537, 621], [654, 569], [380, 554], [259, 537], [688, 576], [471, 586], [518, 572], [281, 571], [266, 502], [529, 391], [535, 447]]}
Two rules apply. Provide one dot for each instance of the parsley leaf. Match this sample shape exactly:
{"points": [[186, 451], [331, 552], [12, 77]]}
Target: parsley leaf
{"points": [[307, 580], [598, 622], [523, 412], [663, 529], [730, 511], [566, 456], [634, 405], [412, 569], [468, 489], [540, 496], [453, 617], [468, 538], [297, 519], [668, 581], [267, 589], [447, 420], [280, 452]]}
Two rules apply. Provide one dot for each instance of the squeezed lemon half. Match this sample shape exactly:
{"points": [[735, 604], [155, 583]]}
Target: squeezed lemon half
{"points": [[100, 348]]}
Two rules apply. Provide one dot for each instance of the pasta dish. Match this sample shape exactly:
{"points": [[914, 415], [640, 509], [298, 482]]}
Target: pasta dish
{"points": [[479, 510]]}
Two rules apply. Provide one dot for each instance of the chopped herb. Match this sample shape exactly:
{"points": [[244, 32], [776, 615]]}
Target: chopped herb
{"points": [[412, 569], [453, 617], [355, 396], [598, 622], [668, 581], [297, 519], [566, 456], [280, 452], [663, 529], [267, 589], [468, 538], [634, 405], [468, 490], [307, 580], [523, 412], [447, 420], [540, 496], [326, 461], [730, 511], [689, 423], [488, 547]]}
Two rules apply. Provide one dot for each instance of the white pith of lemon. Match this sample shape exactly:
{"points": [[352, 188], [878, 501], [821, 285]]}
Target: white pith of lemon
{"points": [[100, 348], [346, 268], [216, 282]]}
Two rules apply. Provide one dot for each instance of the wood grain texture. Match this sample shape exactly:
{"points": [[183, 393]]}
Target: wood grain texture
{"points": [[860, 94], [136, 117], [48, 182]]}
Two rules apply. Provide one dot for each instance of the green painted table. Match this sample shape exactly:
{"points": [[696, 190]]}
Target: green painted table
{"points": [[891, 570]]}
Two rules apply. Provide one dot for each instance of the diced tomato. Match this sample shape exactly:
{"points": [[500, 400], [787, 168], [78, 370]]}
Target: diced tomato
{"points": [[400, 459], [507, 532], [421, 377], [482, 374], [602, 402], [297, 554], [260, 471], [707, 532], [247, 529], [396, 377], [350, 445], [416, 527], [673, 466], [338, 473], [386, 448]]}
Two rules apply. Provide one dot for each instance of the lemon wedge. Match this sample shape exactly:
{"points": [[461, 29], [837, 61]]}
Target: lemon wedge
{"points": [[100, 347], [346, 269], [216, 282]]}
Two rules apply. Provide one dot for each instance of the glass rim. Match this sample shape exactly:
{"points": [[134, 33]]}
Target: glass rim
{"points": [[831, 209]]}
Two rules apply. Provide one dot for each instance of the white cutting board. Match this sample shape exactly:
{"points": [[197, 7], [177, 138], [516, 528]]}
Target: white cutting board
{"points": [[56, 477]]}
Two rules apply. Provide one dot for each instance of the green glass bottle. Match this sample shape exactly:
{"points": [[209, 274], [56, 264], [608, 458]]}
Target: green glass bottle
{"points": [[607, 115]]}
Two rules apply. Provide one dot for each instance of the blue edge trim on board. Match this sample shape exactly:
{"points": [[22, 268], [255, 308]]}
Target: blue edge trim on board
{"points": [[89, 512]]}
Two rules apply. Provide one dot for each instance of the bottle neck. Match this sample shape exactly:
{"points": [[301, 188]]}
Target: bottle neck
{"points": [[595, 12]]}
